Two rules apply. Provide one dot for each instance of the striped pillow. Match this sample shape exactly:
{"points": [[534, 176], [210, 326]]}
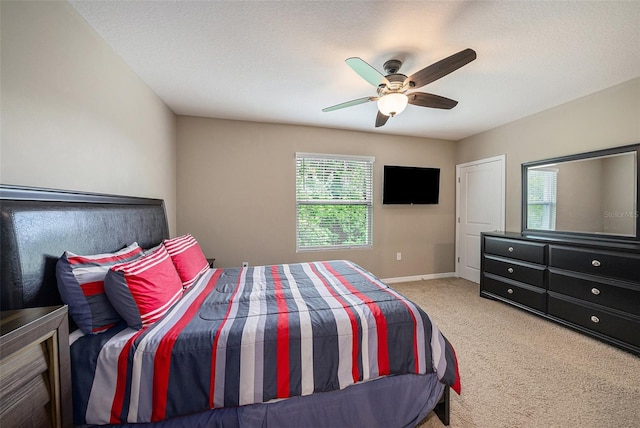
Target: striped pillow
{"points": [[143, 290], [81, 286], [188, 258]]}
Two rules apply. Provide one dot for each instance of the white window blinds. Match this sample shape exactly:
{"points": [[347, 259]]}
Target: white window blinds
{"points": [[334, 201], [541, 206]]}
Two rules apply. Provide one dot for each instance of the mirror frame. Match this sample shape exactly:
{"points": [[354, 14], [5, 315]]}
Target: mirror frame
{"points": [[580, 156]]}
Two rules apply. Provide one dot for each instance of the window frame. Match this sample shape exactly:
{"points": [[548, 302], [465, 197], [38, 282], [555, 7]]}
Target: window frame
{"points": [[366, 201]]}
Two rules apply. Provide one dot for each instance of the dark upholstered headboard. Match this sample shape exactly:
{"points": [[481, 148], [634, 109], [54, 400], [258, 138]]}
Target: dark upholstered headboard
{"points": [[38, 225]]}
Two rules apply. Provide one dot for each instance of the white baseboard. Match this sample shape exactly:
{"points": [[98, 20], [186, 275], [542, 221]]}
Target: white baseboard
{"points": [[419, 277]]}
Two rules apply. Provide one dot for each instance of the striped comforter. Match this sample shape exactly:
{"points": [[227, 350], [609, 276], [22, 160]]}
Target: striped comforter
{"points": [[250, 335]]}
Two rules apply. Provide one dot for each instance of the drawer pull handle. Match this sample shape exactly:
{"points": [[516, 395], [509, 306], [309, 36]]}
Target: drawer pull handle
{"points": [[595, 319], [510, 270], [595, 291], [510, 291], [595, 263], [510, 249]]}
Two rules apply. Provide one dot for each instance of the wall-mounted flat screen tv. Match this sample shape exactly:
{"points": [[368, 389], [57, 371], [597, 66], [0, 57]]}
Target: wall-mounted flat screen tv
{"points": [[410, 185]]}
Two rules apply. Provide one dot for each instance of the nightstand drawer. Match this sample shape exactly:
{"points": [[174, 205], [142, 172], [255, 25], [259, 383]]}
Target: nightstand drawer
{"points": [[517, 271], [529, 296], [27, 406], [626, 329], [612, 294], [24, 393], [35, 387], [18, 368], [601, 263], [528, 251]]}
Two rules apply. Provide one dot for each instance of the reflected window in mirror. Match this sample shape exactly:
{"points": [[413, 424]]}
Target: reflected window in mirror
{"points": [[541, 201]]}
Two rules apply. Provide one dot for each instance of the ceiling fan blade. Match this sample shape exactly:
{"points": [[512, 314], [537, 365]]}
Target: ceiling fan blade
{"points": [[441, 68], [430, 100], [350, 103], [366, 71], [381, 119]]}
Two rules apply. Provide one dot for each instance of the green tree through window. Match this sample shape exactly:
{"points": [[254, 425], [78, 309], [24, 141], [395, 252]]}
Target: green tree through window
{"points": [[334, 201]]}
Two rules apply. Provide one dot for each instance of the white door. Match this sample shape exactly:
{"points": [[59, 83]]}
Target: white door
{"points": [[480, 206]]}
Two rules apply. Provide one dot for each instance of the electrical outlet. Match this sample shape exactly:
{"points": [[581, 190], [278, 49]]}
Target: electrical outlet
{"points": [[398, 256], [245, 264]]}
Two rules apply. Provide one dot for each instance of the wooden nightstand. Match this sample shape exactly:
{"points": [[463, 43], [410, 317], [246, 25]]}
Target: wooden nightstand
{"points": [[35, 375]]}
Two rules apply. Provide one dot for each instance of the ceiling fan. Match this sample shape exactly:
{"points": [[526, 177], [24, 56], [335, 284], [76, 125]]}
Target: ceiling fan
{"points": [[394, 88]]}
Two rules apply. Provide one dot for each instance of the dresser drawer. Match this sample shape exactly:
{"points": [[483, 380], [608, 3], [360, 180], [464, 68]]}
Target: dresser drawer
{"points": [[625, 329], [532, 297], [518, 271], [612, 294], [528, 251], [602, 263]]}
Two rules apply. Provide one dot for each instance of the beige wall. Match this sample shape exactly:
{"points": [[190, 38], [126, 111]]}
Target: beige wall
{"points": [[74, 115], [236, 194], [597, 195], [579, 196], [608, 118], [619, 194]]}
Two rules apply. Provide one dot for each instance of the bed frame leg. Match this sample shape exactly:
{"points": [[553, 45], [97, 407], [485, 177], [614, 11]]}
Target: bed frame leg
{"points": [[443, 407]]}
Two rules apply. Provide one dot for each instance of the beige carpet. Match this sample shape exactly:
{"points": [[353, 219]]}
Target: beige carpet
{"points": [[519, 370]]}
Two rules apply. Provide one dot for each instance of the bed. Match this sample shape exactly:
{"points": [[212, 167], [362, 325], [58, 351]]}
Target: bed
{"points": [[302, 349]]}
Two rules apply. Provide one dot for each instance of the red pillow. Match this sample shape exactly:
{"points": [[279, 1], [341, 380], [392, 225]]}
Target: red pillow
{"points": [[187, 257], [143, 290]]}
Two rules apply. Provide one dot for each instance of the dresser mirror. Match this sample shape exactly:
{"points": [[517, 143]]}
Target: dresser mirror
{"points": [[591, 194]]}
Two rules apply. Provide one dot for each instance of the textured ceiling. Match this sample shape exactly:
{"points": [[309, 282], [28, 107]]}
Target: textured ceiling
{"points": [[283, 61]]}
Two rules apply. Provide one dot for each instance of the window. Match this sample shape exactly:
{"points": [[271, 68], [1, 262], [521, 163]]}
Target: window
{"points": [[541, 206], [334, 201]]}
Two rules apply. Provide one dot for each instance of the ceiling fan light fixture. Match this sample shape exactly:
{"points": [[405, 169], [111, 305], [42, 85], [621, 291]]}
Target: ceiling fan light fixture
{"points": [[392, 104], [392, 87]]}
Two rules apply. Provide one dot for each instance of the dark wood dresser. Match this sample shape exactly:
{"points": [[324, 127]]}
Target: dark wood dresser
{"points": [[35, 377], [588, 285]]}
